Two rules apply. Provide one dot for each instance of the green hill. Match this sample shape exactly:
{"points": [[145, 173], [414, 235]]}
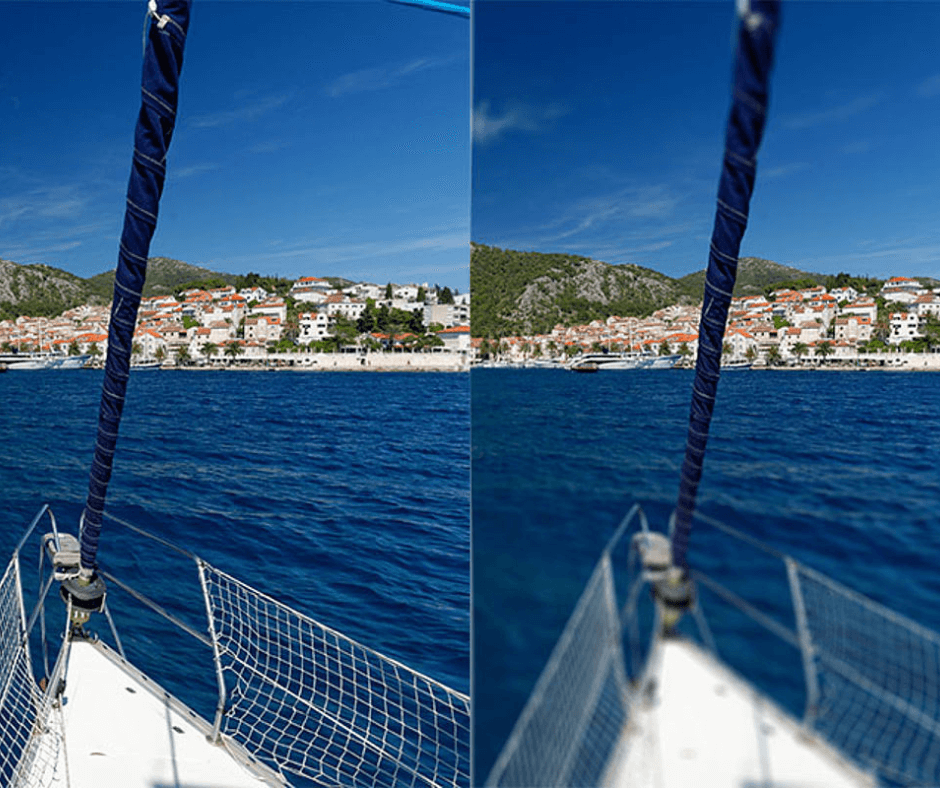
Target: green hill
{"points": [[530, 292]]}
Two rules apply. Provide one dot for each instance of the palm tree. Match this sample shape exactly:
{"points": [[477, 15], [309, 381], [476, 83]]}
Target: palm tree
{"points": [[160, 354], [664, 348], [182, 356], [209, 349], [751, 354], [799, 349], [824, 349], [233, 350], [773, 355]]}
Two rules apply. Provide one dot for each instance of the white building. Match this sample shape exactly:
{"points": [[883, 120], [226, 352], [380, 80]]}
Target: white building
{"points": [[310, 289], [253, 294], [313, 326], [347, 307], [407, 292], [262, 328], [272, 307], [456, 337], [447, 314], [862, 308], [853, 328], [904, 326]]}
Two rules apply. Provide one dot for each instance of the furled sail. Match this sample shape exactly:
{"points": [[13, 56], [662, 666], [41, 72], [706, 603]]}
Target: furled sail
{"points": [[163, 60], [757, 32]]}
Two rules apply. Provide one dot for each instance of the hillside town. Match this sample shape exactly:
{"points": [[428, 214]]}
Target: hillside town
{"points": [[210, 326], [785, 327]]}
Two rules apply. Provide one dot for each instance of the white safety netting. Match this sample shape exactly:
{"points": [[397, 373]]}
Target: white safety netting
{"points": [[315, 703], [29, 744], [879, 681], [872, 679], [573, 720]]}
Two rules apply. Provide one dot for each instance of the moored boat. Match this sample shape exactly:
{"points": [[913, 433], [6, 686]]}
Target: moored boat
{"points": [[33, 361], [625, 360]]}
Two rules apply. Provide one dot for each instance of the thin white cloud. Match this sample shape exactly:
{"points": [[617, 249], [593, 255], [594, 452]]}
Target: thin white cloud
{"points": [[193, 169], [639, 208], [24, 255], [833, 114], [783, 170], [920, 254], [245, 113], [385, 76], [271, 146], [489, 126], [930, 87], [858, 146], [44, 202], [332, 253]]}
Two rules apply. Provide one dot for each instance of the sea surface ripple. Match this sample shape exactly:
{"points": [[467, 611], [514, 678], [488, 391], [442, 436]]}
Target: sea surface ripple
{"points": [[344, 495], [839, 469]]}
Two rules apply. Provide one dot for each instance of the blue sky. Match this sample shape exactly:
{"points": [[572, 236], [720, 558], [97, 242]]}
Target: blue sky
{"points": [[314, 138], [599, 126]]}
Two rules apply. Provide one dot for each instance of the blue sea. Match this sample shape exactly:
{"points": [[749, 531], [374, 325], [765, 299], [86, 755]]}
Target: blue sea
{"points": [[344, 495], [839, 469]]}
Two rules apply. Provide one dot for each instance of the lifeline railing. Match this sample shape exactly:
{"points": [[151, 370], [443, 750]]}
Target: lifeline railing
{"points": [[301, 697], [872, 676]]}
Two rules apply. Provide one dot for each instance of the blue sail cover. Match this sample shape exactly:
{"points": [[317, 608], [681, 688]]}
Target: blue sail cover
{"points": [[163, 60], [745, 127]]}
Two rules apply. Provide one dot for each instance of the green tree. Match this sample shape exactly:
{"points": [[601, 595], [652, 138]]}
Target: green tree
{"points": [[664, 348], [74, 349], [727, 349], [388, 292], [931, 329], [94, 351], [824, 350], [344, 330], [136, 349], [160, 354], [445, 296], [751, 354], [367, 322], [189, 322], [209, 349], [773, 355], [684, 350], [422, 295], [416, 321], [233, 350], [182, 355], [800, 349]]}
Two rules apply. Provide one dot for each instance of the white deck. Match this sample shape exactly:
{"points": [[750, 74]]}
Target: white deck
{"points": [[703, 726], [123, 731]]}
